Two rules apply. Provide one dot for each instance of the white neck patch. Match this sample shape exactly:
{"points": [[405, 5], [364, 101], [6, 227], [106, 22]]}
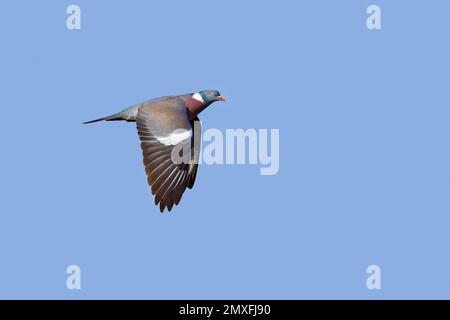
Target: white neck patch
{"points": [[198, 97]]}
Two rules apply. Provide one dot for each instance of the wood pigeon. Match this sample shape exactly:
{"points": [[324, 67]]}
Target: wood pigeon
{"points": [[169, 126]]}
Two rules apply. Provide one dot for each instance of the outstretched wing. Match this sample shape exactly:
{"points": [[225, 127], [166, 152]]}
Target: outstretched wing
{"points": [[167, 136]]}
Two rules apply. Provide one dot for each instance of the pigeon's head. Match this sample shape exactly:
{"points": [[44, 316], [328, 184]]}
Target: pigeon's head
{"points": [[208, 96], [199, 101]]}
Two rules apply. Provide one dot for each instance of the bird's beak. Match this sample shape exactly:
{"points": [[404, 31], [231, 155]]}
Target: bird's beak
{"points": [[220, 98]]}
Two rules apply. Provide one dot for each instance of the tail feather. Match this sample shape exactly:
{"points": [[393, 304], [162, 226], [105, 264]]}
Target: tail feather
{"points": [[96, 120], [114, 117], [128, 114]]}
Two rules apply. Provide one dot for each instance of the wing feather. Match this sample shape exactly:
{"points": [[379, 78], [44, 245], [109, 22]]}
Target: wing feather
{"points": [[155, 123]]}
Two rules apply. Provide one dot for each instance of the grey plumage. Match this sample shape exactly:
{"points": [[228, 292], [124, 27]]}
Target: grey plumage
{"points": [[128, 114]]}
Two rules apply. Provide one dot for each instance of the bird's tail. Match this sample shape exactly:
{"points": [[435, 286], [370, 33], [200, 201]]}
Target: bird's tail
{"points": [[96, 120], [128, 114], [114, 117]]}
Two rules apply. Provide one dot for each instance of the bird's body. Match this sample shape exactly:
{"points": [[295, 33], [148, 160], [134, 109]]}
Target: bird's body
{"points": [[170, 134]]}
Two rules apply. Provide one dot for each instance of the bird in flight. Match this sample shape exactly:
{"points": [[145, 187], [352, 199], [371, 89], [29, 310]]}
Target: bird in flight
{"points": [[169, 130]]}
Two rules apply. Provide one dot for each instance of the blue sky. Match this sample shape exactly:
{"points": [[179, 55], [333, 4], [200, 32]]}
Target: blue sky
{"points": [[364, 163]]}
